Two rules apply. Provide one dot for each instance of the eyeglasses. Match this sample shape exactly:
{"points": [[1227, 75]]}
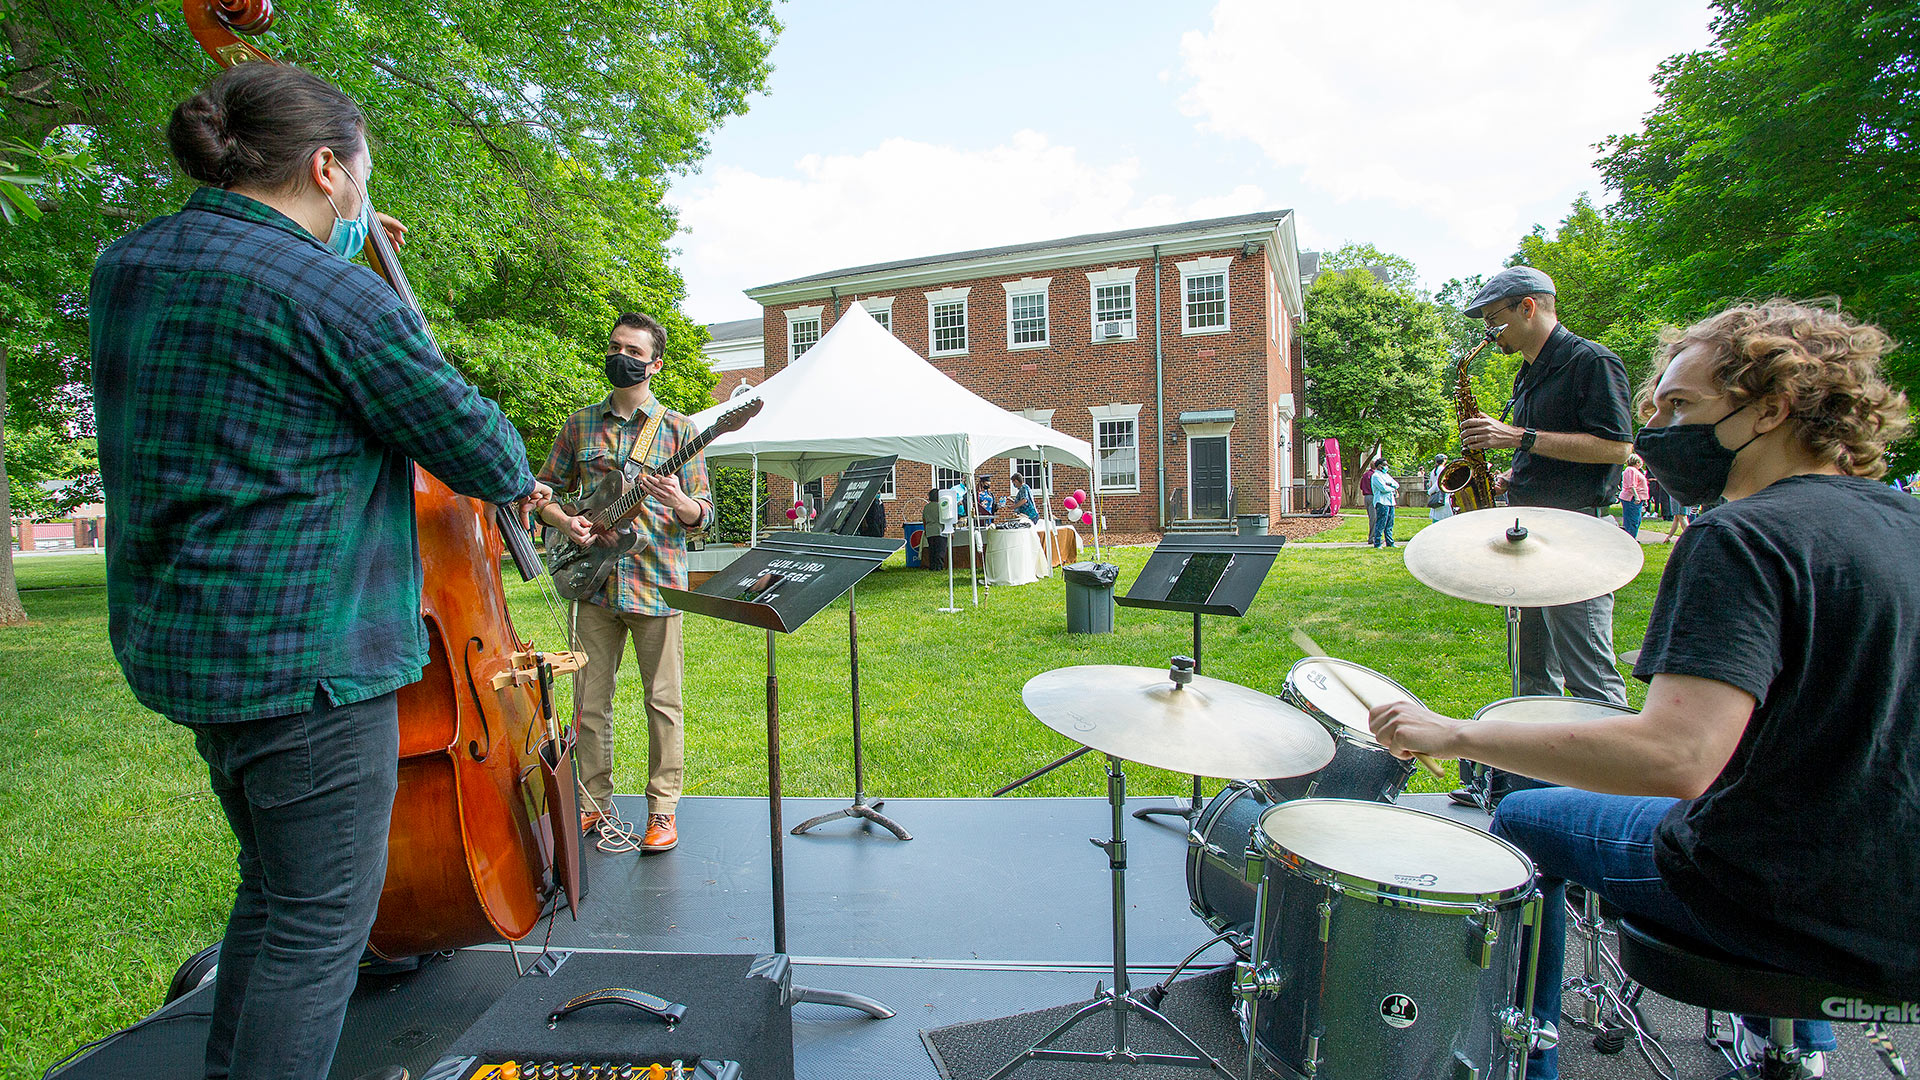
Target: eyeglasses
{"points": [[1489, 316]]}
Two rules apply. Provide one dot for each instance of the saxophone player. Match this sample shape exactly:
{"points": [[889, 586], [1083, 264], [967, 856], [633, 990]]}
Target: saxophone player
{"points": [[1572, 430]]}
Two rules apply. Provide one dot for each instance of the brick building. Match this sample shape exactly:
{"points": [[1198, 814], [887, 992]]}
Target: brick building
{"points": [[1172, 349]]}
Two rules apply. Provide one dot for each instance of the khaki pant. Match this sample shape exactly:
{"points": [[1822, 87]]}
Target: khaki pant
{"points": [[601, 633]]}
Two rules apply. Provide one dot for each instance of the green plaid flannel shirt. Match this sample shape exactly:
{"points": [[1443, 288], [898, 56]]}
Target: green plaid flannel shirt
{"points": [[259, 402], [594, 442]]}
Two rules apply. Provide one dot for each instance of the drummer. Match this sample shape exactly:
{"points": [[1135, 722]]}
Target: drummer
{"points": [[1782, 645]]}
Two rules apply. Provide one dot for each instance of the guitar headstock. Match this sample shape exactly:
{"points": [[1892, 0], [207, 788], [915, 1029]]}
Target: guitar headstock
{"points": [[735, 419]]}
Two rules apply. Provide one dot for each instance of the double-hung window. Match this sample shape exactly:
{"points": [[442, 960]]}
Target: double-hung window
{"points": [[1116, 443], [1203, 295], [1113, 308], [1027, 313], [947, 322], [803, 331]]}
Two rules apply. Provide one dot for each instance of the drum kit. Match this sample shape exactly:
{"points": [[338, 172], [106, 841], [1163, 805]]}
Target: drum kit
{"points": [[1372, 939]]}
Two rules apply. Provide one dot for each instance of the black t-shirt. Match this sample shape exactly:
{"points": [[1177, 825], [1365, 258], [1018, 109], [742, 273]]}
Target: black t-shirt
{"points": [[1806, 848], [1574, 385]]}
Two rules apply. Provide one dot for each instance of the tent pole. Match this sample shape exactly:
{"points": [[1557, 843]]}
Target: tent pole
{"points": [[1093, 500], [753, 504]]}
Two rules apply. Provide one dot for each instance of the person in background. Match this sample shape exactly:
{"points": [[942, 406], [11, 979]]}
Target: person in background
{"points": [[1633, 495], [1443, 509], [1385, 490], [1020, 497], [933, 538], [875, 523], [989, 505]]}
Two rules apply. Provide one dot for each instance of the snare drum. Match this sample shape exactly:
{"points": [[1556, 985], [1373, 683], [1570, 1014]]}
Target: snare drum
{"points": [[1388, 944], [1361, 768], [1217, 883], [1495, 784]]}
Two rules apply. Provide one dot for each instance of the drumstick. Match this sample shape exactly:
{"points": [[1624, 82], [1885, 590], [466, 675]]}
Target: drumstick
{"points": [[1312, 648]]}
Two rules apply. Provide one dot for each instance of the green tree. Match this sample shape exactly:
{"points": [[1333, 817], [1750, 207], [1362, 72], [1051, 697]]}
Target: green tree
{"points": [[1784, 159], [1397, 271], [1601, 289], [527, 149], [1375, 356]]}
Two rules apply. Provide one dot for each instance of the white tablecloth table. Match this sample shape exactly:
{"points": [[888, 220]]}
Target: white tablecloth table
{"points": [[1014, 557]]}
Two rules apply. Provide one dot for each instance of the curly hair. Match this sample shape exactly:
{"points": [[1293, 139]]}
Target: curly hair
{"points": [[1826, 364]]}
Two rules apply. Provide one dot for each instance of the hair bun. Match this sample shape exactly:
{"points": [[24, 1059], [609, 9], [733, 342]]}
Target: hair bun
{"points": [[197, 133]]}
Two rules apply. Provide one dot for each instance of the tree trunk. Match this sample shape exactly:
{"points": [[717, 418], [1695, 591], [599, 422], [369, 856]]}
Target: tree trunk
{"points": [[11, 613]]}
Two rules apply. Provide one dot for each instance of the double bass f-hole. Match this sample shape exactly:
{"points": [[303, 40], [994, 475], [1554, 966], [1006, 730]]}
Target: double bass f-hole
{"points": [[474, 749]]}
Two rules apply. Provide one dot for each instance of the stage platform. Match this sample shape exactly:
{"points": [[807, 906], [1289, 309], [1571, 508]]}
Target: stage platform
{"points": [[997, 906]]}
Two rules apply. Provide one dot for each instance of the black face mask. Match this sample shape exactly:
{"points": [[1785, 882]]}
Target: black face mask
{"points": [[624, 371], [1689, 459]]}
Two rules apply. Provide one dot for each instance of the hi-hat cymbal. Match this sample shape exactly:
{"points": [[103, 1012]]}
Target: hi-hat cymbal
{"points": [[1210, 727], [1554, 557]]}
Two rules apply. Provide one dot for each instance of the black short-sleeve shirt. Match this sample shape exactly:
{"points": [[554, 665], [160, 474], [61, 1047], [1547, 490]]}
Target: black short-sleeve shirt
{"points": [[1806, 848], [1573, 385]]}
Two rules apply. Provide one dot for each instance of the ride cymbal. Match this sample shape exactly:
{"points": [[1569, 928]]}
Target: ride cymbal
{"points": [[1209, 727], [1524, 556]]}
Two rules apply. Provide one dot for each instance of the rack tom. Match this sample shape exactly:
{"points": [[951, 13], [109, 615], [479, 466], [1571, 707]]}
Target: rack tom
{"points": [[1388, 943], [1361, 768]]}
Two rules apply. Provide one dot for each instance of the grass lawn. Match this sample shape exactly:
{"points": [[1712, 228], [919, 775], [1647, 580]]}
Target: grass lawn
{"points": [[119, 864], [1352, 529]]}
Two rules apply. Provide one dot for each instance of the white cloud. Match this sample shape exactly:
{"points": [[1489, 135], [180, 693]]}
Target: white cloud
{"points": [[904, 198], [1481, 119]]}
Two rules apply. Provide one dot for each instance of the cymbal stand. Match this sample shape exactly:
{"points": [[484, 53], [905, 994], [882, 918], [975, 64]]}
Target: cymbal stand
{"points": [[1190, 812], [1120, 999], [861, 808]]}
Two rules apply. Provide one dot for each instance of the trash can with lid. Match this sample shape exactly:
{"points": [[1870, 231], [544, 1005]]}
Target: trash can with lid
{"points": [[913, 530], [1090, 597]]}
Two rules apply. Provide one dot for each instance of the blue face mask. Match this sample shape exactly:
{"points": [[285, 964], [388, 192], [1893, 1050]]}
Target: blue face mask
{"points": [[349, 235]]}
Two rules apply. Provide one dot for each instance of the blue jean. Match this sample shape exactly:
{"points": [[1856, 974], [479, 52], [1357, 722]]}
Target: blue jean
{"points": [[309, 796], [1604, 842], [1630, 516], [1382, 525]]}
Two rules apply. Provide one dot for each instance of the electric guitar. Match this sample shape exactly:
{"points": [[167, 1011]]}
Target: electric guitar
{"points": [[579, 570]]}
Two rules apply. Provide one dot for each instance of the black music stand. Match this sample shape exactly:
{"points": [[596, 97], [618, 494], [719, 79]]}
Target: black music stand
{"points": [[858, 486], [778, 586], [1206, 575]]}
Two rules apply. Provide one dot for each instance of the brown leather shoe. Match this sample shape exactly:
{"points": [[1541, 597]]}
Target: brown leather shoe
{"points": [[590, 820], [661, 835]]}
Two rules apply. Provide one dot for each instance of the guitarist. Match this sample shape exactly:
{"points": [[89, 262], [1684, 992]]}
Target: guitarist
{"points": [[594, 443]]}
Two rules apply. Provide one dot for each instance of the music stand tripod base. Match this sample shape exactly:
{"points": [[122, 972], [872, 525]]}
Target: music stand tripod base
{"points": [[1118, 1000]]}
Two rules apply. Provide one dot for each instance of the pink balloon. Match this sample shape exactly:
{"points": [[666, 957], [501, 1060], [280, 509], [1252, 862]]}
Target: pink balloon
{"points": [[1070, 503], [1080, 494], [1086, 518], [793, 513]]}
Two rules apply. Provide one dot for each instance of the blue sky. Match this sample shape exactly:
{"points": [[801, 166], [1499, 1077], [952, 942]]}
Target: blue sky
{"points": [[1441, 130]]}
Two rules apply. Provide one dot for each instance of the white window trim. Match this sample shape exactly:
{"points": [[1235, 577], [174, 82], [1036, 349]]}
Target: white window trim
{"points": [[1210, 431], [796, 315], [1201, 267], [893, 481], [957, 294], [878, 304], [1117, 275], [1116, 412], [1030, 286]]}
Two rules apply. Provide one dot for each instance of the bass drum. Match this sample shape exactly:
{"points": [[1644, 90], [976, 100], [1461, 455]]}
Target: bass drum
{"points": [[1361, 768], [1389, 944], [1217, 882]]}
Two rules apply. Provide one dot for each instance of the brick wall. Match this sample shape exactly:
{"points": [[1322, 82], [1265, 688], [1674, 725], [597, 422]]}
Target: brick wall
{"points": [[1243, 368]]}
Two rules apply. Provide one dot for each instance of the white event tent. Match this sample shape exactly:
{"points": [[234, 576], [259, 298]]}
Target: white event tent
{"points": [[860, 392]]}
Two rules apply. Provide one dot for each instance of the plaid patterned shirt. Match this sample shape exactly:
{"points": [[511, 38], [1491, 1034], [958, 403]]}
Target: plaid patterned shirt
{"points": [[257, 401], [594, 442]]}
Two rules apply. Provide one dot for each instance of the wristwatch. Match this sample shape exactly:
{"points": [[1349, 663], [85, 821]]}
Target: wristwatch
{"points": [[1526, 439]]}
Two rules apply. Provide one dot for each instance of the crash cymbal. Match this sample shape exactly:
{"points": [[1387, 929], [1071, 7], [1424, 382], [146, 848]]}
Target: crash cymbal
{"points": [[1209, 727], [1553, 557]]}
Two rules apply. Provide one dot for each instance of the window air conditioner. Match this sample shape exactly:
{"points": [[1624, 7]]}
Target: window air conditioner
{"points": [[1113, 329]]}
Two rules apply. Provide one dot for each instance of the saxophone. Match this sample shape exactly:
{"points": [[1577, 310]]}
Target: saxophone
{"points": [[1467, 478]]}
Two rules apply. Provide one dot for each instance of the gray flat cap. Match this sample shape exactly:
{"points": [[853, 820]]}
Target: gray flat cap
{"points": [[1511, 282]]}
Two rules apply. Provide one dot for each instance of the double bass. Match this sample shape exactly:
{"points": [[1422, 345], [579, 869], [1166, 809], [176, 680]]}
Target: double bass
{"points": [[484, 835]]}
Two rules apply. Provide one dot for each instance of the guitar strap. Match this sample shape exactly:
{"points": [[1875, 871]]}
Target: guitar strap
{"points": [[637, 457]]}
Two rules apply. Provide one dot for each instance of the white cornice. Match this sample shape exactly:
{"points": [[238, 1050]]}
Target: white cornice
{"points": [[737, 353], [1031, 262]]}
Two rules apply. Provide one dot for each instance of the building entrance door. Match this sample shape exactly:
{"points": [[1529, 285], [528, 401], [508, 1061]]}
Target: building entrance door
{"points": [[1208, 476]]}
